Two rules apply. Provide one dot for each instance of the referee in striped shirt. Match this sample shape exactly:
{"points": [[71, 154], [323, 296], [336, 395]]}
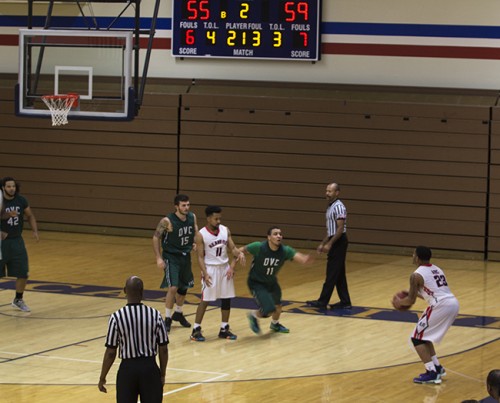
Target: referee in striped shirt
{"points": [[335, 245], [140, 332]]}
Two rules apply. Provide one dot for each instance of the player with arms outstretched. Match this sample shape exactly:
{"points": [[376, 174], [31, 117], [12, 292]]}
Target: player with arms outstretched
{"points": [[268, 258]]}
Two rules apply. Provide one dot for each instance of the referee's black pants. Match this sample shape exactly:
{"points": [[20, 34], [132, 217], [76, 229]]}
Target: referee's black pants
{"points": [[139, 377], [335, 273]]}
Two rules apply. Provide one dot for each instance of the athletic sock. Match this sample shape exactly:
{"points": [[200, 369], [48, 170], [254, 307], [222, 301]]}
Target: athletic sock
{"points": [[275, 322], [196, 325], [19, 295], [168, 313], [178, 308], [223, 325], [429, 366]]}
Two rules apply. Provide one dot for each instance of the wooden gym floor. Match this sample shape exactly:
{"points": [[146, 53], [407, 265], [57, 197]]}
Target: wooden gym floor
{"points": [[54, 353]]}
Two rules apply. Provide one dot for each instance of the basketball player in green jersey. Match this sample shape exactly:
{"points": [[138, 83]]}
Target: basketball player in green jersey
{"points": [[14, 260], [268, 258], [173, 241]]}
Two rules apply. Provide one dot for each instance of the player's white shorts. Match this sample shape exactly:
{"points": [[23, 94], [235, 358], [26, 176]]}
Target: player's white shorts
{"points": [[221, 287], [436, 320]]}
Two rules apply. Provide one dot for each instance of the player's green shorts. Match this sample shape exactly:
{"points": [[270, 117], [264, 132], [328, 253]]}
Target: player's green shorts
{"points": [[267, 296], [14, 261], [178, 271]]}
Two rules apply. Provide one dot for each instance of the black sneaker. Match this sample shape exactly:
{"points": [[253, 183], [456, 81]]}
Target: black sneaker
{"points": [[225, 333], [196, 335], [179, 317], [316, 304], [340, 305], [168, 324]]}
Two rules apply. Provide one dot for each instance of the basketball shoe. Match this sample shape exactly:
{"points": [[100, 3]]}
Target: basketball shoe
{"points": [[428, 377]]}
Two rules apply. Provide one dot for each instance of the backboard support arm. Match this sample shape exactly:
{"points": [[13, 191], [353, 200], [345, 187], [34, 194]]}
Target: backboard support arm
{"points": [[139, 82]]}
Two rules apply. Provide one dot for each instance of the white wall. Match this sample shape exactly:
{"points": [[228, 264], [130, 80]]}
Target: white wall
{"points": [[424, 70]]}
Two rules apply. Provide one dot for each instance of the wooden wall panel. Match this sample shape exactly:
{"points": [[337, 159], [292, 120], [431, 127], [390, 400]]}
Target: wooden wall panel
{"points": [[245, 180], [347, 163], [494, 187], [114, 128], [155, 193], [415, 166], [344, 134], [99, 174], [408, 239], [90, 178], [280, 184], [53, 162], [272, 153], [463, 104], [423, 211], [312, 148], [257, 116], [98, 219], [314, 221]]}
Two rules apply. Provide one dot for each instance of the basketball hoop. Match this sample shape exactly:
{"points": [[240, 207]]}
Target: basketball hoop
{"points": [[60, 106]]}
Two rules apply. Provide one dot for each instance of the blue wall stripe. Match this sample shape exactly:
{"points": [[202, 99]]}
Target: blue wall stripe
{"points": [[329, 28], [446, 31], [80, 22]]}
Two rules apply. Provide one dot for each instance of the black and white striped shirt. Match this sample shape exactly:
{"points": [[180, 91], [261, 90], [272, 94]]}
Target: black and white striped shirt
{"points": [[335, 211], [138, 330]]}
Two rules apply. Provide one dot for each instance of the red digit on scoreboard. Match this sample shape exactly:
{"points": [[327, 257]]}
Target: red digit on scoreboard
{"points": [[192, 10], [292, 8], [197, 10], [290, 11], [189, 37], [303, 8], [204, 10], [304, 37]]}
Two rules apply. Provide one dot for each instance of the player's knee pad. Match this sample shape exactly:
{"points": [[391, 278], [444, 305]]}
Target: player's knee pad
{"points": [[417, 342], [225, 304], [182, 292]]}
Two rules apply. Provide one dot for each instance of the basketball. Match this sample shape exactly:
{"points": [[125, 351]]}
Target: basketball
{"points": [[402, 294], [396, 301]]}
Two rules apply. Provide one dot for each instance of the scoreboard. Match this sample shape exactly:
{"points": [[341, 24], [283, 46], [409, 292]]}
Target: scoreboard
{"points": [[252, 29]]}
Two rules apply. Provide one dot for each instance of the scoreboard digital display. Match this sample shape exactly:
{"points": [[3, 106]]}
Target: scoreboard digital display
{"points": [[251, 29]]}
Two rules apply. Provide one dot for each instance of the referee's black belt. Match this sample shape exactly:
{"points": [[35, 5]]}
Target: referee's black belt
{"points": [[344, 234], [152, 357]]}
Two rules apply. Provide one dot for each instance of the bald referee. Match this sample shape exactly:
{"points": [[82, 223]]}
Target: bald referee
{"points": [[335, 246], [140, 332]]}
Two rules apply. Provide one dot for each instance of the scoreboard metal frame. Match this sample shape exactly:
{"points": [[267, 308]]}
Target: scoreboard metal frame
{"points": [[247, 29]]}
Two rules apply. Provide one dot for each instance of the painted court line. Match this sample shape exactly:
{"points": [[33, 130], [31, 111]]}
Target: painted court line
{"points": [[195, 384], [219, 374], [465, 376]]}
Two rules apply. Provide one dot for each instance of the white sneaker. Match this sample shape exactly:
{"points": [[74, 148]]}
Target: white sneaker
{"points": [[19, 303]]}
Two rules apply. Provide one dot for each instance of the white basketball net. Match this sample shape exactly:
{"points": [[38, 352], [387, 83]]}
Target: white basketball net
{"points": [[59, 106]]}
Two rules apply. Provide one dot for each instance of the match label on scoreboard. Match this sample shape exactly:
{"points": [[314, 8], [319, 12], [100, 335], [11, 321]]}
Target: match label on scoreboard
{"points": [[257, 29]]}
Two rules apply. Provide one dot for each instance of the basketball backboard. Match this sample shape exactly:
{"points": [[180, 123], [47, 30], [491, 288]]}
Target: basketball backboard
{"points": [[96, 65]]}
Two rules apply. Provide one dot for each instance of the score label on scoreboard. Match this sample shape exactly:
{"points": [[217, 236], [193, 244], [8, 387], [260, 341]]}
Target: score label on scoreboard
{"points": [[258, 29]]}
